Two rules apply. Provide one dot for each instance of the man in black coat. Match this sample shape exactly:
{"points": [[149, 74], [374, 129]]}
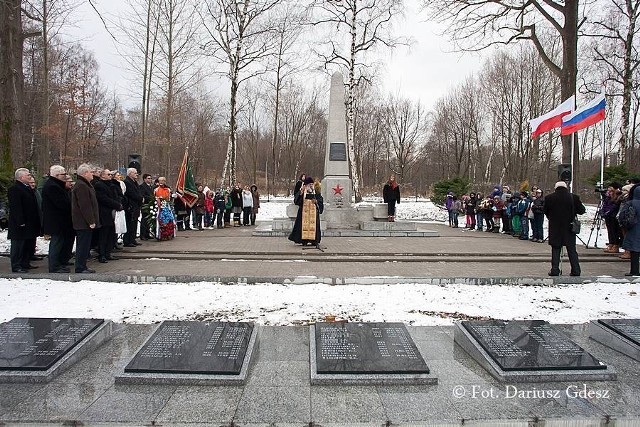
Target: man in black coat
{"points": [[146, 189], [56, 221], [24, 221], [560, 207], [108, 203], [133, 204]]}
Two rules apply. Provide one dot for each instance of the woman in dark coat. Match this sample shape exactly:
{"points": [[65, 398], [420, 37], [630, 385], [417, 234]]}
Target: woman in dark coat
{"points": [[391, 196], [560, 208], [631, 241], [310, 202]]}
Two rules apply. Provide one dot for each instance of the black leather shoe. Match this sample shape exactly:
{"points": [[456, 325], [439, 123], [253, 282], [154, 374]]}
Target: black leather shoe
{"points": [[19, 270], [554, 273], [137, 243], [111, 258], [574, 274], [30, 267], [36, 258], [61, 270], [129, 245], [86, 271], [102, 260]]}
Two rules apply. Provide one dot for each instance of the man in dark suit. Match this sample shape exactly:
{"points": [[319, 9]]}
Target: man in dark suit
{"points": [[24, 221], [133, 204], [85, 215], [146, 189], [560, 207], [108, 203], [56, 221]]}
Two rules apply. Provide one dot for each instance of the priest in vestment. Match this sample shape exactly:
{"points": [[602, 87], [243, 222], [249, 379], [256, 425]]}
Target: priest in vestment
{"points": [[306, 228]]}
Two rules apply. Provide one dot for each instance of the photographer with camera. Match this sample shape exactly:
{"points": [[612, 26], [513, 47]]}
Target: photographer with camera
{"points": [[611, 198]]}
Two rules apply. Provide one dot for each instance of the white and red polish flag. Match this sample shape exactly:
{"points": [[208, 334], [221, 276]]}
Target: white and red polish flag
{"points": [[552, 119]]}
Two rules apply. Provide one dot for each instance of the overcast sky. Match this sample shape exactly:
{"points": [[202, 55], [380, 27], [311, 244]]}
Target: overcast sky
{"points": [[425, 71]]}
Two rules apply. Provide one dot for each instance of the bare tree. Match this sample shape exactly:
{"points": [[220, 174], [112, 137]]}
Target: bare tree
{"points": [[614, 46], [477, 24], [366, 25], [240, 36], [404, 126]]}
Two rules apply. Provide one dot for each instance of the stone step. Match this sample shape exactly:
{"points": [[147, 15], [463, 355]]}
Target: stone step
{"points": [[388, 226]]}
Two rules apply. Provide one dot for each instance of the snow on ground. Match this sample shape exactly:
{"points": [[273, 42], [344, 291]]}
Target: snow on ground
{"points": [[277, 304]]}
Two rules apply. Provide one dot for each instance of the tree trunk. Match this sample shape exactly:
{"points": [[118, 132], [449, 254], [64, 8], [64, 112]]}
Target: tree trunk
{"points": [[355, 177], [568, 76], [11, 85]]}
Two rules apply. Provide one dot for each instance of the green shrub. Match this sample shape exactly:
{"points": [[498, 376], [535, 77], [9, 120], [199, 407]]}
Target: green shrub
{"points": [[457, 186], [618, 174]]}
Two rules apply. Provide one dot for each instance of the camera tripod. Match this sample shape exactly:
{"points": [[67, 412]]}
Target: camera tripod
{"points": [[596, 224]]}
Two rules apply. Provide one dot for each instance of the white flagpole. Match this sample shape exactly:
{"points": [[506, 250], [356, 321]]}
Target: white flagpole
{"points": [[603, 145]]}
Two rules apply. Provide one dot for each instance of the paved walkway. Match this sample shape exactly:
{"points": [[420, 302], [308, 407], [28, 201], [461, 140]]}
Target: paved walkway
{"points": [[234, 253]]}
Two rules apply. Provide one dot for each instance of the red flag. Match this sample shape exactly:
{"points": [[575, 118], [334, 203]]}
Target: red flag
{"points": [[186, 185]]}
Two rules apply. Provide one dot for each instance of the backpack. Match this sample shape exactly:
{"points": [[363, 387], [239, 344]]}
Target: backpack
{"points": [[627, 215]]}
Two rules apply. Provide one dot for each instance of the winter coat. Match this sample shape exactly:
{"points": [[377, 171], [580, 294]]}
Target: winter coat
{"points": [[390, 194], [247, 199], [256, 202], [208, 204], [147, 192], [470, 206], [537, 206], [108, 201], [133, 196], [632, 238], [236, 198], [610, 207], [24, 215], [84, 205], [560, 208], [199, 206], [296, 232], [56, 208], [498, 207], [219, 202]]}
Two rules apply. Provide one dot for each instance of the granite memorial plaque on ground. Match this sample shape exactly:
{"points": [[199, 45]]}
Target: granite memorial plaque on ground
{"points": [[371, 348], [622, 335], [210, 348], [36, 344], [530, 345], [628, 328]]}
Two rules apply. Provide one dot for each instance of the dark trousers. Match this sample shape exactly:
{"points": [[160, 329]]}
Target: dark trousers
{"points": [[106, 235], [538, 222], [614, 233], [144, 227], [252, 217], [67, 247], [573, 259], [635, 264], [20, 253], [246, 212], [56, 252], [198, 222], [506, 222], [219, 217], [391, 208], [132, 226], [83, 246]]}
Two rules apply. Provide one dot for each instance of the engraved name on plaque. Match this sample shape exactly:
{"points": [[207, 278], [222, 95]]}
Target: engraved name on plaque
{"points": [[36, 344], [530, 345], [366, 348], [216, 348]]}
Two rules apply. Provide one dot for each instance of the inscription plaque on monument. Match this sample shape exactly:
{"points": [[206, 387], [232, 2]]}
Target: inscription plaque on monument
{"points": [[338, 152], [366, 348], [628, 328], [530, 345], [215, 348], [36, 344]]}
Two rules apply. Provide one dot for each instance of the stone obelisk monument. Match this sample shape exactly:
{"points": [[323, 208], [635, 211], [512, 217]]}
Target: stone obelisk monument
{"points": [[337, 187]]}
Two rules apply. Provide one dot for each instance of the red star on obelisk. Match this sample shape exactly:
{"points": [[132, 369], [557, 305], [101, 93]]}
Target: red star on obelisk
{"points": [[337, 189]]}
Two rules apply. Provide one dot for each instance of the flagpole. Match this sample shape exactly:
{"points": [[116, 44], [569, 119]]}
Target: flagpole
{"points": [[602, 145]]}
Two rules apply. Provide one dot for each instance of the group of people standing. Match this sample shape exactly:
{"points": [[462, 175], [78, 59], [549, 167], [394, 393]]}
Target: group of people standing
{"points": [[83, 213]]}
